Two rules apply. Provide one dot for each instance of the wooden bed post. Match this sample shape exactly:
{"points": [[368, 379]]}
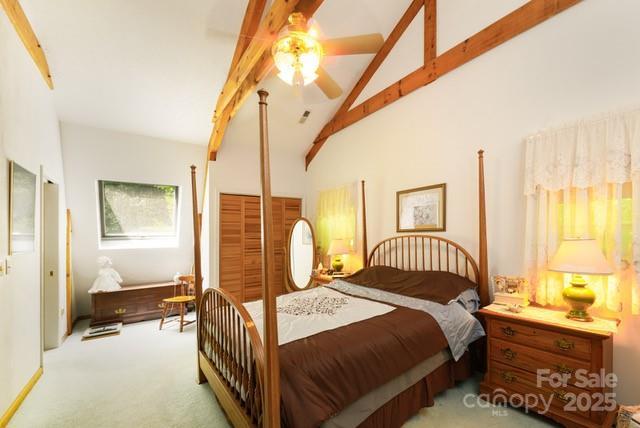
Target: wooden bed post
{"points": [[483, 281], [272, 364], [365, 253], [196, 238], [197, 263]]}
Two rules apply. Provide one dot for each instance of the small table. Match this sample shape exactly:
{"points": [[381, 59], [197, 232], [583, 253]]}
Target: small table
{"points": [[324, 279]]}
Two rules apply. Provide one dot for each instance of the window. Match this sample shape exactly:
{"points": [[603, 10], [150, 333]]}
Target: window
{"points": [[137, 211]]}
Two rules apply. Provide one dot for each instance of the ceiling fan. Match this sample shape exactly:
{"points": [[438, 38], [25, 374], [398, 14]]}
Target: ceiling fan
{"points": [[298, 54]]}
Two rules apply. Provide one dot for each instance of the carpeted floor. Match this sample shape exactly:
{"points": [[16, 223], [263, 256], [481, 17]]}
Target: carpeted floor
{"points": [[146, 378]]}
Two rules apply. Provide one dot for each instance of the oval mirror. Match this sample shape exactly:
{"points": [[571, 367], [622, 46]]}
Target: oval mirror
{"points": [[301, 253]]}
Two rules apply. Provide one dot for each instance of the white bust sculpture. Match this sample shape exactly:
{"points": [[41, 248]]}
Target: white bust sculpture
{"points": [[108, 278]]}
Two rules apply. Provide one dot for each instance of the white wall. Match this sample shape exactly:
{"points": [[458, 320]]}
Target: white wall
{"points": [[93, 154], [237, 171], [29, 135], [578, 64]]}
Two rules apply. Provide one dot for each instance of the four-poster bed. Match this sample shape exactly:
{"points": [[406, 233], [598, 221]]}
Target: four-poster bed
{"points": [[244, 370]]}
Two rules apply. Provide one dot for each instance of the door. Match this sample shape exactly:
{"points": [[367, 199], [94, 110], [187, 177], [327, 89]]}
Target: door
{"points": [[50, 249], [241, 247]]}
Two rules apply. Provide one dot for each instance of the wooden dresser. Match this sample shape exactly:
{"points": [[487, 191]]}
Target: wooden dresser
{"points": [[521, 344], [131, 303]]}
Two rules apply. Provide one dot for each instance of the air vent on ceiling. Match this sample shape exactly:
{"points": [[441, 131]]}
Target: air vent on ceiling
{"points": [[304, 116]]}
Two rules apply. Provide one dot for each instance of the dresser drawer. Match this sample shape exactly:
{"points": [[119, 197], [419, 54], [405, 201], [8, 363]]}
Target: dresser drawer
{"points": [[512, 379], [540, 338], [532, 360]]}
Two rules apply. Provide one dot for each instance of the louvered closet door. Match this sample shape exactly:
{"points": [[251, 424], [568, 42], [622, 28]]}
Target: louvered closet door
{"points": [[231, 243], [252, 244], [240, 243]]}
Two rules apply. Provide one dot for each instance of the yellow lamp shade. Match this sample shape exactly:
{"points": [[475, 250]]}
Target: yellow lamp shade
{"points": [[338, 247], [581, 256]]}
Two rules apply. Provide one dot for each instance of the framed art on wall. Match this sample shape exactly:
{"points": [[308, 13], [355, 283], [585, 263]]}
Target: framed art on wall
{"points": [[422, 209], [22, 210]]}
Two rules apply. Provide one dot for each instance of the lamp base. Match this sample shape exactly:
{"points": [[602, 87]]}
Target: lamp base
{"points": [[579, 315], [579, 297], [337, 264]]}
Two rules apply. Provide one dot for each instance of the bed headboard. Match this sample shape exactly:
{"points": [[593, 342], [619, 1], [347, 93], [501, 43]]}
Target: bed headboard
{"points": [[424, 253]]}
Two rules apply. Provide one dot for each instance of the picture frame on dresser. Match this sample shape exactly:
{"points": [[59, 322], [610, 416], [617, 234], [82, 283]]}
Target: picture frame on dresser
{"points": [[422, 209]]}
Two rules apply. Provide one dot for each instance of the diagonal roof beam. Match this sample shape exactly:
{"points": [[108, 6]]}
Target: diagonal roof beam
{"points": [[253, 70], [373, 66], [25, 32], [517, 22], [248, 29], [265, 34]]}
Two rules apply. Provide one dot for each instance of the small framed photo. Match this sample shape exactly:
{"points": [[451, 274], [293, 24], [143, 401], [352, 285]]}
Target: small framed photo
{"points": [[423, 209], [508, 290]]}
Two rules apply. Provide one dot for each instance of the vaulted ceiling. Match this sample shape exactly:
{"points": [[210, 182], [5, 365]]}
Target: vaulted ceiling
{"points": [[156, 67]]}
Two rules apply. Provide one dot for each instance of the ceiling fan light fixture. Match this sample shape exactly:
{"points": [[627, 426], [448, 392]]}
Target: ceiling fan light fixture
{"points": [[297, 56]]}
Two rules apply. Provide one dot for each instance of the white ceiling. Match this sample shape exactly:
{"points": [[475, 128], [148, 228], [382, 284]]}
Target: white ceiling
{"points": [[156, 67]]}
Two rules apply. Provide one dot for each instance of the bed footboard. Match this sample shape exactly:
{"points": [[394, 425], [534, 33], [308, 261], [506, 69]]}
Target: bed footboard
{"points": [[231, 357]]}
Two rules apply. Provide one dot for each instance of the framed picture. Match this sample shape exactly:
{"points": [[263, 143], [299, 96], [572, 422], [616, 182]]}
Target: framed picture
{"points": [[22, 210], [510, 290], [423, 209]]}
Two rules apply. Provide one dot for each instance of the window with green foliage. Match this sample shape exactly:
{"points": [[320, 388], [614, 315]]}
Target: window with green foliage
{"points": [[137, 210]]}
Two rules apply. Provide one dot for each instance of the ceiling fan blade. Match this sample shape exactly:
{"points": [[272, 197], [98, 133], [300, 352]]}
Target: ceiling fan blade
{"points": [[327, 85], [354, 45]]}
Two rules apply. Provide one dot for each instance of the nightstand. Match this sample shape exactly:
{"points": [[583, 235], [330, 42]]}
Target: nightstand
{"points": [[538, 356], [324, 279]]}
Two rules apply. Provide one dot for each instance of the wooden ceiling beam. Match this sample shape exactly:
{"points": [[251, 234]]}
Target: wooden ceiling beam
{"points": [[517, 22], [25, 32], [264, 36], [430, 30], [249, 27], [371, 69], [260, 69]]}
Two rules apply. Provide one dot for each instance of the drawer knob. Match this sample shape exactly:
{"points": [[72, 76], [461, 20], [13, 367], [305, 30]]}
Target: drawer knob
{"points": [[561, 395], [565, 345], [509, 377], [509, 354], [563, 368], [508, 331], [120, 311]]}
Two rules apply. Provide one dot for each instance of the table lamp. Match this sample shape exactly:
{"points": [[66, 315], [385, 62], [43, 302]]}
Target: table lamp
{"points": [[338, 248], [579, 257]]}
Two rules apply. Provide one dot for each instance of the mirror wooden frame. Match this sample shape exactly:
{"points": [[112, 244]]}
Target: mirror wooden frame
{"points": [[290, 283]]}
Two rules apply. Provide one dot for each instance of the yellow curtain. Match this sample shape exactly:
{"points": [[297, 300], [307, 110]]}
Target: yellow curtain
{"points": [[583, 180], [604, 213], [336, 217]]}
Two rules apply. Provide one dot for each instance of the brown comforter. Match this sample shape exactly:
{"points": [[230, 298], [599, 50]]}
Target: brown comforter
{"points": [[439, 287], [324, 373]]}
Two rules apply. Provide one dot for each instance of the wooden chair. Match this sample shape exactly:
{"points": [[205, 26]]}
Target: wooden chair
{"points": [[187, 286]]}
